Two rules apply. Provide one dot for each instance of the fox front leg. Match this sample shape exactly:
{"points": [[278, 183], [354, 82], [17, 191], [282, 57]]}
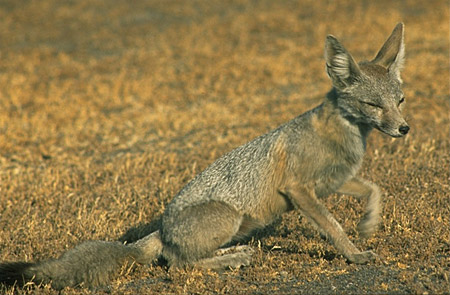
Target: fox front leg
{"points": [[307, 202], [362, 188]]}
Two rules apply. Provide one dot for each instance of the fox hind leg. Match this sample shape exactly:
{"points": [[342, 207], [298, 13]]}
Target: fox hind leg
{"points": [[192, 236]]}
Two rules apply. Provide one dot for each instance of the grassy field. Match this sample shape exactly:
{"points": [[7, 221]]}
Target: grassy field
{"points": [[107, 108]]}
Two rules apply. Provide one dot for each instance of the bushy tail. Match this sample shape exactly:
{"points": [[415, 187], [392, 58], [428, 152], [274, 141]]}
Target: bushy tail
{"points": [[90, 264]]}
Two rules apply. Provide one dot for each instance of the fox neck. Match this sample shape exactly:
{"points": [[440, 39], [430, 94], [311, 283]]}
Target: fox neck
{"points": [[339, 126], [332, 99]]}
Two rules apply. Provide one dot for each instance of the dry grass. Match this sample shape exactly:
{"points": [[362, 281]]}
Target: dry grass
{"points": [[107, 108]]}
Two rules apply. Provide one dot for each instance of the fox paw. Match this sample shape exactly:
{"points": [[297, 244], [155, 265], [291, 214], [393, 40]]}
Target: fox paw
{"points": [[233, 257], [363, 257], [236, 249], [239, 259], [367, 226], [365, 230]]}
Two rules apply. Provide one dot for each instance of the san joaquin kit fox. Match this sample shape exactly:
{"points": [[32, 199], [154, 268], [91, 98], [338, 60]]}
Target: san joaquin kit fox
{"points": [[291, 167]]}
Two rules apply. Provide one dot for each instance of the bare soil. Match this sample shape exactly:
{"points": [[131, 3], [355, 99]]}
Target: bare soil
{"points": [[107, 108]]}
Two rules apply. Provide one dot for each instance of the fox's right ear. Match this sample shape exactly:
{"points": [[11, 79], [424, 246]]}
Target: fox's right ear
{"points": [[341, 67]]}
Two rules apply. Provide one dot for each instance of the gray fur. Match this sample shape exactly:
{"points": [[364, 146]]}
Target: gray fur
{"points": [[89, 264], [291, 167]]}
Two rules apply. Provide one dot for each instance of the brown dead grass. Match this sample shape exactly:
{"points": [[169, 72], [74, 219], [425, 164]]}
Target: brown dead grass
{"points": [[107, 108]]}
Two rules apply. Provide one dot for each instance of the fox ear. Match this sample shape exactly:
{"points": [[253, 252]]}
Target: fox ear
{"points": [[392, 54], [341, 67]]}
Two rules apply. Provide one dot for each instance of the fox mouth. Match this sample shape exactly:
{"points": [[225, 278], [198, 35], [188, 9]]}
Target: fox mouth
{"points": [[396, 133]]}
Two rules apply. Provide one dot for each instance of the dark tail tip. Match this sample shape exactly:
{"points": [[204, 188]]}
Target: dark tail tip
{"points": [[13, 273]]}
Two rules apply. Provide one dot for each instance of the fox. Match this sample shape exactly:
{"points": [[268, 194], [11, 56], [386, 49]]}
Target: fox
{"points": [[289, 168]]}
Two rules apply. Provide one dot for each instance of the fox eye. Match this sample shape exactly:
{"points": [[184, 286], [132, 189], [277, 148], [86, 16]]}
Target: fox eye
{"points": [[372, 104], [402, 100]]}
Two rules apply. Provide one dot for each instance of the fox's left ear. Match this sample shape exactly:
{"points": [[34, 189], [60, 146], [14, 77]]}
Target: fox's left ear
{"points": [[392, 54]]}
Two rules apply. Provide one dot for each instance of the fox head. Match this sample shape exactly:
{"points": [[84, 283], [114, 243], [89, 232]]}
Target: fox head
{"points": [[370, 92]]}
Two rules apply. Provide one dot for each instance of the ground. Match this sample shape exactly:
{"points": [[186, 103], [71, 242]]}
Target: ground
{"points": [[107, 108]]}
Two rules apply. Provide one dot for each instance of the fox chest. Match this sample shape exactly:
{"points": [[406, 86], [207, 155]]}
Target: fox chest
{"points": [[331, 178], [335, 168]]}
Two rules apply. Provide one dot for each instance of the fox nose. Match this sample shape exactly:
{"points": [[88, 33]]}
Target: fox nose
{"points": [[403, 129]]}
